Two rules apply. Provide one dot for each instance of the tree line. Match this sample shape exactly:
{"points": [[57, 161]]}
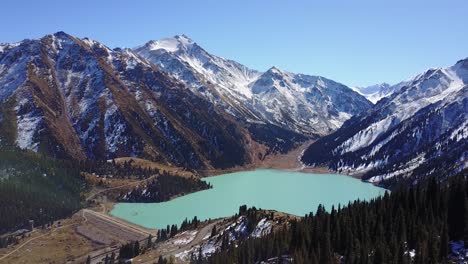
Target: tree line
{"points": [[126, 169]]}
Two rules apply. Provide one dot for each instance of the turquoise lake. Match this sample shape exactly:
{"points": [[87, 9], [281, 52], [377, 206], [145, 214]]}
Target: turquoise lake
{"points": [[286, 191]]}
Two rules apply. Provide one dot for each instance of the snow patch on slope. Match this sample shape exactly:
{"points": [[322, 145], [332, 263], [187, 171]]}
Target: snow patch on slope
{"points": [[404, 170], [263, 228], [27, 126]]}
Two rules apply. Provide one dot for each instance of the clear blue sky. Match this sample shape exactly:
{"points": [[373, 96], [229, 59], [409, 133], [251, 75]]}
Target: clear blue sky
{"points": [[355, 42]]}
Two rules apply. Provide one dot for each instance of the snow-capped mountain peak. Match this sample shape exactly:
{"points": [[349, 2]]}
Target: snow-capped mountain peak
{"points": [[375, 92], [173, 44], [276, 96], [77, 98], [425, 118], [373, 88], [274, 70], [461, 68]]}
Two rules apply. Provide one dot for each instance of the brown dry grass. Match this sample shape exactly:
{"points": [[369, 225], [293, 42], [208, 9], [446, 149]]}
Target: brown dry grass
{"points": [[57, 246]]}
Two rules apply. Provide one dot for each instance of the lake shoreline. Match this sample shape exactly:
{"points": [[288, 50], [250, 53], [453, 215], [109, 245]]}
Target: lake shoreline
{"points": [[289, 162], [291, 192]]}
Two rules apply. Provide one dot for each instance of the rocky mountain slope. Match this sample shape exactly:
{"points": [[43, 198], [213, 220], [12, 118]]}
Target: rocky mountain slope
{"points": [[76, 98], [309, 105], [421, 129]]}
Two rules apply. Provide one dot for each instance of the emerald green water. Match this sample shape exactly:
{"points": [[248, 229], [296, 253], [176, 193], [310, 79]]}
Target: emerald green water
{"points": [[291, 192]]}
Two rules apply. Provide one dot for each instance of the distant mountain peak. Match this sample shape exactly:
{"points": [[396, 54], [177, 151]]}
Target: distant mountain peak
{"points": [[274, 68], [372, 88], [375, 92], [172, 44], [61, 34], [184, 38], [461, 64], [274, 71]]}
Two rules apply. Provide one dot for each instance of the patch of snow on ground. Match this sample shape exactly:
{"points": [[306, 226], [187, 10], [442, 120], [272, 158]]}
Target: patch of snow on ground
{"points": [[408, 167], [366, 137], [184, 238], [461, 132], [412, 253], [241, 227], [27, 126], [458, 251], [114, 129], [183, 255], [168, 44], [263, 228], [209, 248]]}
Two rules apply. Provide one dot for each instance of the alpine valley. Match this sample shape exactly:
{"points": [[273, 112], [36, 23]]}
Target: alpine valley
{"points": [[104, 154]]}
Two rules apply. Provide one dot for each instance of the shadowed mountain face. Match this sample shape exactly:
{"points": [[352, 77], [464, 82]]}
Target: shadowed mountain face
{"points": [[419, 130], [76, 98]]}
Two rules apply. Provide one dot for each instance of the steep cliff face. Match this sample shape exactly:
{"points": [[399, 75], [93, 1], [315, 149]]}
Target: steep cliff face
{"points": [[421, 129]]}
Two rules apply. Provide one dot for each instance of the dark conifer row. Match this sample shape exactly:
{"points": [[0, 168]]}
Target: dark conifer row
{"points": [[163, 188], [129, 250], [171, 231], [126, 169]]}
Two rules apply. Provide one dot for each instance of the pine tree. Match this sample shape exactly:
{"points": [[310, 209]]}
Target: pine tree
{"points": [[213, 231], [112, 258], [444, 240], [161, 260], [149, 243], [136, 248]]}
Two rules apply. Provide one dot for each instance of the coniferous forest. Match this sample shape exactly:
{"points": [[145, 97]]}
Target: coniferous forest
{"points": [[115, 170], [163, 188], [34, 187], [410, 225]]}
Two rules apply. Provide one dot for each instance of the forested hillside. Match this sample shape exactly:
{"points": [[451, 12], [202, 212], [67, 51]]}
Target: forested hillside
{"points": [[164, 188], [34, 187], [411, 225]]}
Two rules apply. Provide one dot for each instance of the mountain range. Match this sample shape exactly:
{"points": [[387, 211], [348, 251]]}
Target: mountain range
{"points": [[172, 101], [420, 129], [310, 105], [168, 101]]}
